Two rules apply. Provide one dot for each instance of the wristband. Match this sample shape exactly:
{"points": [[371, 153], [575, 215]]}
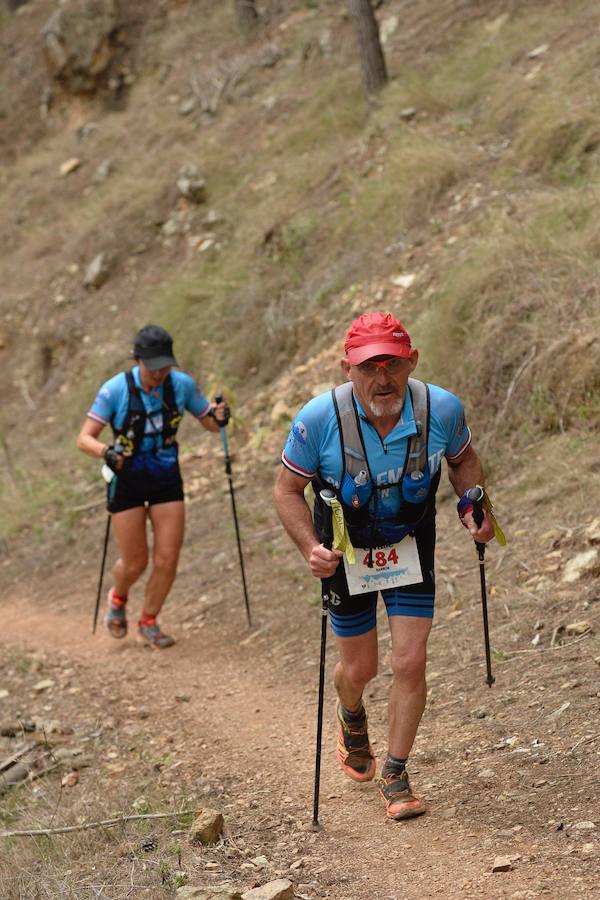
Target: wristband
{"points": [[464, 506]]}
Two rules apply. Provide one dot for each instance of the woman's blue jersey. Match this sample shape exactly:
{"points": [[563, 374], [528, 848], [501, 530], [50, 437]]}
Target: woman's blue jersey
{"points": [[112, 402]]}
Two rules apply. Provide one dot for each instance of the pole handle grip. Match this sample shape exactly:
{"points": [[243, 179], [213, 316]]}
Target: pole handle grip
{"points": [[219, 399], [327, 496], [476, 495]]}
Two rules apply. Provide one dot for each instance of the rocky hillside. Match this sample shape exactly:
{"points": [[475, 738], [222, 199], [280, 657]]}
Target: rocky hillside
{"points": [[159, 165]]}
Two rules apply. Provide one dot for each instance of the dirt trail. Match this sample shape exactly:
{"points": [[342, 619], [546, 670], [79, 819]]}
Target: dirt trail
{"points": [[239, 710], [227, 718]]}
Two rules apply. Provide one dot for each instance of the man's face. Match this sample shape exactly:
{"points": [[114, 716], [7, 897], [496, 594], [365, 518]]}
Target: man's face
{"points": [[380, 382]]}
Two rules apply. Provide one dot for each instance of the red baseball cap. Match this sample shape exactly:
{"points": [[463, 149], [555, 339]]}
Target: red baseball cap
{"points": [[376, 334]]}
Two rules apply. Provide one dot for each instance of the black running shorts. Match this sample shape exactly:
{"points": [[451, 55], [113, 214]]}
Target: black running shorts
{"points": [[134, 489]]}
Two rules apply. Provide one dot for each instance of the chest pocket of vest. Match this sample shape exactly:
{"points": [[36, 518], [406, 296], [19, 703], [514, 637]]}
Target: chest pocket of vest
{"points": [[415, 486], [356, 495]]}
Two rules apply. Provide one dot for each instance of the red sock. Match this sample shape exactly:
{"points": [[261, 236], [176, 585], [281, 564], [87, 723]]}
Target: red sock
{"points": [[118, 601], [147, 619]]}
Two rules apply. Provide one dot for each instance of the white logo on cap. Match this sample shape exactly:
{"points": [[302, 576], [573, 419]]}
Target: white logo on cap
{"points": [[399, 334]]}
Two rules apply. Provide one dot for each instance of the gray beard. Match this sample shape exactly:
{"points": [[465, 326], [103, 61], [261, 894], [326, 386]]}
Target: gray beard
{"points": [[382, 410]]}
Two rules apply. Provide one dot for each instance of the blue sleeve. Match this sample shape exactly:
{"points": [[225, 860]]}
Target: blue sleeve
{"points": [[193, 399], [449, 412], [302, 452], [108, 399]]}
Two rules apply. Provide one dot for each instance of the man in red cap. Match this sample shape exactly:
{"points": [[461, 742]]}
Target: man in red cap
{"points": [[377, 442]]}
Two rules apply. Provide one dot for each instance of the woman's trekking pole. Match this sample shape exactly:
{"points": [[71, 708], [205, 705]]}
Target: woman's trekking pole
{"points": [[235, 518], [476, 496], [100, 580], [326, 496]]}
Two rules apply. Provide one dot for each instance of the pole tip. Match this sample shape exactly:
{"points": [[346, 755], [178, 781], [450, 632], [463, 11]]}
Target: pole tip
{"points": [[315, 825]]}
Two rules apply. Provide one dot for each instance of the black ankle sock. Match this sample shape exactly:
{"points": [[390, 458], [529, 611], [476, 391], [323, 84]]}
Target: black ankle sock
{"points": [[357, 716], [393, 765]]}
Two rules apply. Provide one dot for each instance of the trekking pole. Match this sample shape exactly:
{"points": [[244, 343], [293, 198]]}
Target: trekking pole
{"points": [[476, 496], [235, 518], [101, 574], [327, 496]]}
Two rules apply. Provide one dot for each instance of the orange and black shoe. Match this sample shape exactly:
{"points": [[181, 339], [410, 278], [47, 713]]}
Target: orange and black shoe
{"points": [[400, 802], [116, 618], [149, 633], [353, 750]]}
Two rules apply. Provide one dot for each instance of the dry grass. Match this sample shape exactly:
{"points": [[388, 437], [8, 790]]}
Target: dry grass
{"points": [[521, 312], [313, 186]]}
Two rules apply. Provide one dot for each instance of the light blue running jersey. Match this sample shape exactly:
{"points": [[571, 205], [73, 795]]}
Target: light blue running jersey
{"points": [[112, 402], [313, 444]]}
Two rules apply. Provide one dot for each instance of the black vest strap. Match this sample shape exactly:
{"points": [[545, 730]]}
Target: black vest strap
{"points": [[131, 432]]}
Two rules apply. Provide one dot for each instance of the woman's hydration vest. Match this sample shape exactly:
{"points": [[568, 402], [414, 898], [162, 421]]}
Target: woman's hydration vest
{"points": [[131, 433], [367, 522]]}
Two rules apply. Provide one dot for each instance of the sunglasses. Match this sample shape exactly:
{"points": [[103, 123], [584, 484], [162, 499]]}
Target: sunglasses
{"points": [[392, 366]]}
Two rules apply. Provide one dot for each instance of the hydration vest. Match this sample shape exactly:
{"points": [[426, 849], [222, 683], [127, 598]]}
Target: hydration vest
{"points": [[357, 488], [133, 429]]}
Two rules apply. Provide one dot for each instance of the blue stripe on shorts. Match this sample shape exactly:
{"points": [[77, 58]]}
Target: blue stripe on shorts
{"points": [[350, 626], [401, 603]]}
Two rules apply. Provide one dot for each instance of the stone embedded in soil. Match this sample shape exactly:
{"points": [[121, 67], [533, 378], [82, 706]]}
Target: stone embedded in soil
{"points": [[448, 813], [281, 889], [98, 271], [592, 532], [70, 165], [14, 775], [70, 779], [207, 827], [212, 892], [9, 730], [43, 685], [502, 864], [585, 563], [579, 628]]}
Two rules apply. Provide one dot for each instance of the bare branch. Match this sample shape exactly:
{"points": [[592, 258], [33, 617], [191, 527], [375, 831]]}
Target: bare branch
{"points": [[105, 823]]}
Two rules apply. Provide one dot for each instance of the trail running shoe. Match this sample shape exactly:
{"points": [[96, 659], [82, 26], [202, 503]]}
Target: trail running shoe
{"points": [[400, 802], [353, 750], [116, 618], [149, 633]]}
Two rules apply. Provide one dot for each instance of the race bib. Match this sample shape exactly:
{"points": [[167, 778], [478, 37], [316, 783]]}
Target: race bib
{"points": [[392, 567]]}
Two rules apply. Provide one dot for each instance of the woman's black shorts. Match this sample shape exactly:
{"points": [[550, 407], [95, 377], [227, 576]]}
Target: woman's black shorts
{"points": [[131, 489]]}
